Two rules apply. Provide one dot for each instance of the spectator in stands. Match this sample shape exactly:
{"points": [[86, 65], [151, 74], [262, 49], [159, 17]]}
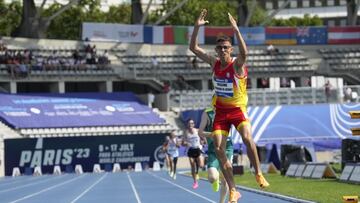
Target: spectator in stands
{"points": [[213, 165], [191, 140], [348, 95], [272, 50], [172, 150], [231, 102], [151, 99], [154, 65], [194, 63], [327, 91], [166, 87]]}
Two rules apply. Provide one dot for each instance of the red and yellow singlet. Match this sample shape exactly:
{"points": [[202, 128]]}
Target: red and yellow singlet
{"points": [[230, 88]]}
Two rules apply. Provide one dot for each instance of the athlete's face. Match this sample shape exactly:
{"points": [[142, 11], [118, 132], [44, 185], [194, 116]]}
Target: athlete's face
{"points": [[223, 49], [191, 123]]}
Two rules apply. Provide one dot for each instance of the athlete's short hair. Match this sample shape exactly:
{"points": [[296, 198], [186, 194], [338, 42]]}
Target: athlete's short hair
{"points": [[223, 38]]}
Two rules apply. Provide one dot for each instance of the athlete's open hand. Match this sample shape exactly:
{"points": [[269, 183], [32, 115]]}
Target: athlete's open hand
{"points": [[201, 20], [233, 22]]}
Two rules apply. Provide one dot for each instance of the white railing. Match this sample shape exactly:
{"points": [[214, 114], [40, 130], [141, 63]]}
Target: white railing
{"points": [[262, 97]]}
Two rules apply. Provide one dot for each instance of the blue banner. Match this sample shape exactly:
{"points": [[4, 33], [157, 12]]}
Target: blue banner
{"points": [[311, 35], [75, 110], [325, 125], [66, 152]]}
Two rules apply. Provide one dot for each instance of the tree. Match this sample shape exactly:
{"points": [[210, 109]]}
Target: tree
{"points": [[34, 24], [10, 17], [217, 12]]}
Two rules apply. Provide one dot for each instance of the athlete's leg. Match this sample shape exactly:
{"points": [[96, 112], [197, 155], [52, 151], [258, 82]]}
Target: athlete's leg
{"points": [[174, 164], [171, 165], [226, 167], [193, 168], [245, 131], [213, 174], [224, 190]]}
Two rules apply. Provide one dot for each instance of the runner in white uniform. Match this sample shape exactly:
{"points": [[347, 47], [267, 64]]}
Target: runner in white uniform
{"points": [[192, 141], [173, 152]]}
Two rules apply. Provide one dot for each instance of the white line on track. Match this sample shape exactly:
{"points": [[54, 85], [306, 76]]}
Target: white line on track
{"points": [[133, 188], [47, 189], [181, 187], [34, 183], [89, 188]]}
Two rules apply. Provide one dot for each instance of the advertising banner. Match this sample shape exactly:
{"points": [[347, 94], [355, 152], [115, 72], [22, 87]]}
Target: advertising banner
{"points": [[66, 152], [75, 110], [113, 32]]}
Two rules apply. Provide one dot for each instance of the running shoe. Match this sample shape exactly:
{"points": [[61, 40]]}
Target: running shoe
{"points": [[174, 176], [234, 196], [171, 174], [216, 185], [195, 185], [260, 179]]}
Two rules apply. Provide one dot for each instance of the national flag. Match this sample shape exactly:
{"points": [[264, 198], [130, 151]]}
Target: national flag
{"points": [[281, 35], [158, 35], [168, 35], [252, 35], [180, 34], [201, 34], [344, 35], [211, 33], [311, 35], [148, 34]]}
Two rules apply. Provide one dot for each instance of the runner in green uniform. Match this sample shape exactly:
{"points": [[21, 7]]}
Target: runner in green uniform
{"points": [[213, 164]]}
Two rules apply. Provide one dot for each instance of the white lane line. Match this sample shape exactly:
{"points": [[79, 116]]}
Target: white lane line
{"points": [[89, 188], [181, 187], [133, 188], [47, 189], [26, 185]]}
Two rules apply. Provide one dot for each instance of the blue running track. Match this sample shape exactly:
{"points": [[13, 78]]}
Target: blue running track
{"points": [[123, 187]]}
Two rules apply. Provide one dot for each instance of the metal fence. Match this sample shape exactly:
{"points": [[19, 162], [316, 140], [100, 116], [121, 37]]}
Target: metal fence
{"points": [[262, 97]]}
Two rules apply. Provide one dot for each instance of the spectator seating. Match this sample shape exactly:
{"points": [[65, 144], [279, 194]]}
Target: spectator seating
{"points": [[288, 61], [342, 59]]}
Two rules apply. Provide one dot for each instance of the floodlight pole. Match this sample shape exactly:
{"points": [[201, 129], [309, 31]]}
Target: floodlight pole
{"points": [[170, 12], [273, 14]]}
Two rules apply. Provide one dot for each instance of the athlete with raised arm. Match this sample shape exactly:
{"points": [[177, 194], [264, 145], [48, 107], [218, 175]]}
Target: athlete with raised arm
{"points": [[230, 99]]}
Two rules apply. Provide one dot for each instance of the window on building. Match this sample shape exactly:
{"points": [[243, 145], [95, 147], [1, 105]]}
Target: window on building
{"points": [[331, 23], [330, 2], [343, 22], [269, 5], [306, 3], [280, 3], [293, 4], [342, 2], [318, 3]]}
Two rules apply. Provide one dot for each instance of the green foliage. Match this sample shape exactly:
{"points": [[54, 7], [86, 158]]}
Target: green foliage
{"points": [[10, 17], [186, 15], [318, 190], [68, 24]]}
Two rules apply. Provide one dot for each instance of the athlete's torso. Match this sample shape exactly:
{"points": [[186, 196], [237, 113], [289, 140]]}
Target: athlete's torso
{"points": [[193, 139], [230, 88], [172, 147]]}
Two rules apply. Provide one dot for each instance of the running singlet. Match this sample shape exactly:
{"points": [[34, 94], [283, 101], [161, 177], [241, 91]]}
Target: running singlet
{"points": [[230, 88], [194, 140], [172, 148]]}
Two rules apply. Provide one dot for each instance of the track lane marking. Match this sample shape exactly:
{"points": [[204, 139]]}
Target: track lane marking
{"points": [[49, 188], [181, 187], [89, 188], [133, 188]]}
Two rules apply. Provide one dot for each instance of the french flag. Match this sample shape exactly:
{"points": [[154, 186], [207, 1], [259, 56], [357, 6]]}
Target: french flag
{"points": [[344, 35]]}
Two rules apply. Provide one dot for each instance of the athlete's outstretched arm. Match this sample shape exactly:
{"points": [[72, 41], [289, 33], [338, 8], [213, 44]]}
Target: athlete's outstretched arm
{"points": [[241, 57], [194, 46]]}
